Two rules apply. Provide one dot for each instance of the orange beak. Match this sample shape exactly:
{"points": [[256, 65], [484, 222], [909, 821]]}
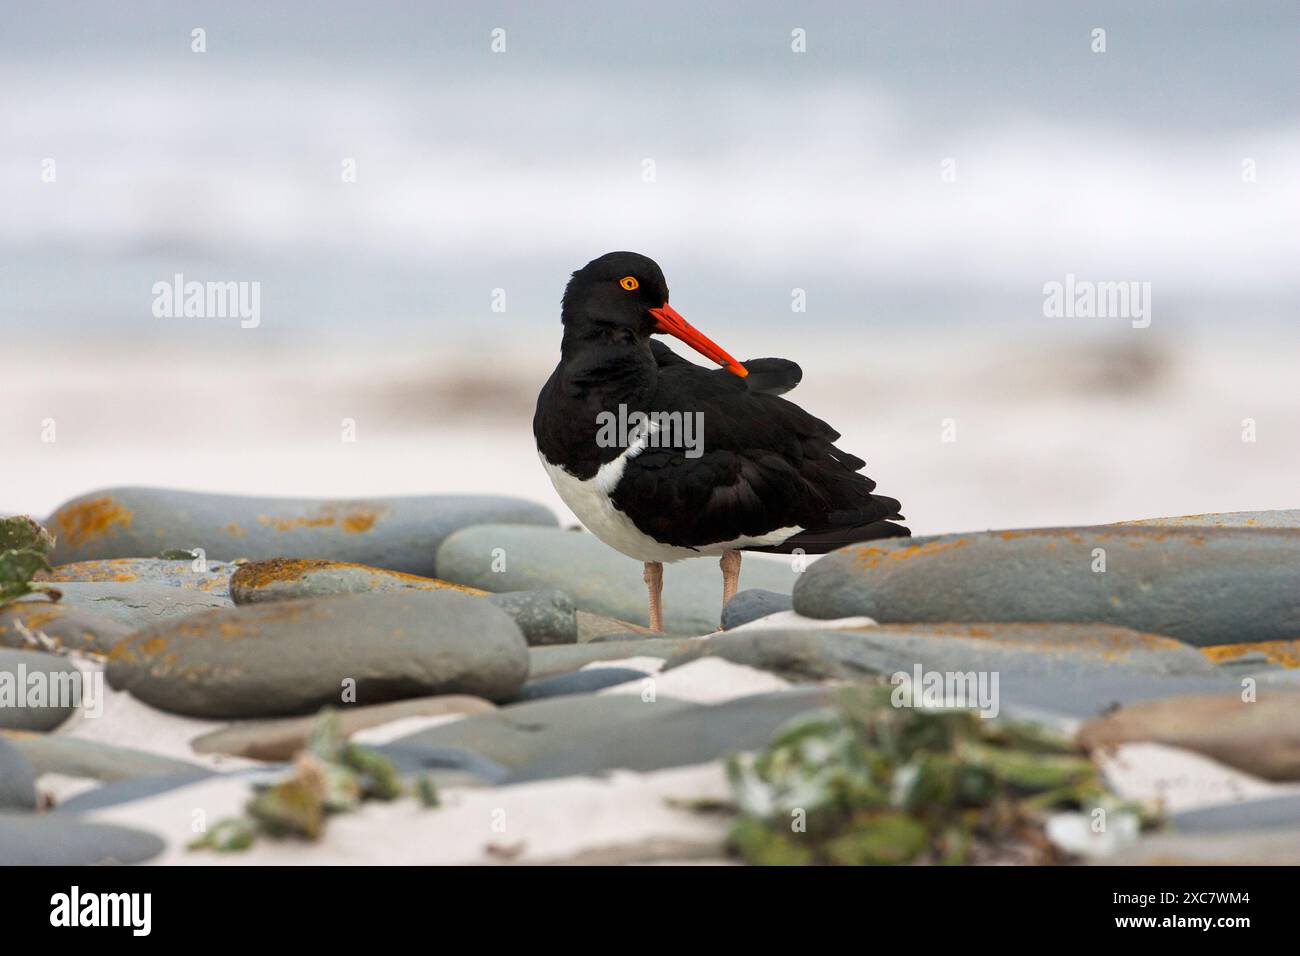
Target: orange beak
{"points": [[668, 320]]}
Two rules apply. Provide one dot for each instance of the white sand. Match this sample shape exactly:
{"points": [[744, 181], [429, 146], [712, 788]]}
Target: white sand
{"points": [[625, 818], [1178, 779], [709, 680]]}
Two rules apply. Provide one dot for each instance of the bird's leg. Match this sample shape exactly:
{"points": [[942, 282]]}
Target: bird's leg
{"points": [[730, 564], [654, 583]]}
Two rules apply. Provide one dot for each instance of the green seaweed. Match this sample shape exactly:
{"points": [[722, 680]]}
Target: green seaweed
{"points": [[868, 783], [330, 776], [22, 533], [427, 792], [17, 569]]}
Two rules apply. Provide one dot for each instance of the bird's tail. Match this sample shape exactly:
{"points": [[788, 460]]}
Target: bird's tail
{"points": [[870, 523], [829, 539]]}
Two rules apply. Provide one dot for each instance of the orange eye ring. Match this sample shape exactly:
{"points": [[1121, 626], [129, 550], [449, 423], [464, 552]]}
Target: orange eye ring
{"points": [[629, 283]]}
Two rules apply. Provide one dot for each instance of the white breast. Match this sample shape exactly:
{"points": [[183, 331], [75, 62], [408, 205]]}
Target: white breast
{"points": [[590, 501]]}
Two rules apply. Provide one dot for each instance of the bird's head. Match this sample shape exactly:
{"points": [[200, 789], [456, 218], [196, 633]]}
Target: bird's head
{"points": [[622, 298]]}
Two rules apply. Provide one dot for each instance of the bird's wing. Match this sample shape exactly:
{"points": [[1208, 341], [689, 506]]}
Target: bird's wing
{"points": [[754, 463], [767, 376]]}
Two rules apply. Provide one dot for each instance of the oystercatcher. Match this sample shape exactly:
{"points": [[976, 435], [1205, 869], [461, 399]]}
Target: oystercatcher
{"points": [[663, 459]]}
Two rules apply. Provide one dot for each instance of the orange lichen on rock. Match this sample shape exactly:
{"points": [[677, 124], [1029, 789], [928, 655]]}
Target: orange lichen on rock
{"points": [[258, 574], [870, 557], [359, 521], [154, 646], [33, 614], [112, 569], [356, 520], [1283, 653], [84, 520]]}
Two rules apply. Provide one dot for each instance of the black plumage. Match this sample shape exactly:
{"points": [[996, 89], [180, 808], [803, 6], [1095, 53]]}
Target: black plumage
{"points": [[766, 464]]}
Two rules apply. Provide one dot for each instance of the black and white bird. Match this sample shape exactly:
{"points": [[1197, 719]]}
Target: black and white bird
{"points": [[759, 474]]}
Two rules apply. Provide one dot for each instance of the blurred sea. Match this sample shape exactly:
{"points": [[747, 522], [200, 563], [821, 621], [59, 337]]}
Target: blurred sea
{"points": [[772, 172]]}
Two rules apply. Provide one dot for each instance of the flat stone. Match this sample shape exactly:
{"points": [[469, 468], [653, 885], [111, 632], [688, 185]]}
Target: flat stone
{"points": [[38, 691], [1238, 848], [678, 737], [1203, 586], [577, 682], [281, 739], [598, 627], [73, 757], [1090, 692], [57, 627], [623, 637], [561, 659], [17, 779], [134, 605], [210, 577], [520, 733], [886, 649], [28, 839], [794, 621], [401, 534], [544, 617], [1272, 813], [750, 605], [286, 579], [1228, 519], [293, 657], [449, 766], [1259, 656], [598, 578], [1261, 737], [709, 680], [118, 792]]}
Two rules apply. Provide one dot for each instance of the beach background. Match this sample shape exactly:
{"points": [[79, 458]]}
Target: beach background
{"points": [[822, 171]]}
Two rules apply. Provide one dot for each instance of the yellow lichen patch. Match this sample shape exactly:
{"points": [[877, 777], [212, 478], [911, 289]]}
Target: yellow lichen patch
{"points": [[359, 521], [109, 569], [85, 520], [870, 557], [417, 583], [235, 530], [1283, 653], [258, 574], [356, 519], [154, 646], [34, 615]]}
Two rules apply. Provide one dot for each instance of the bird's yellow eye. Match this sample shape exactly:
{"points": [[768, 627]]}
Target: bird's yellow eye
{"points": [[629, 283]]}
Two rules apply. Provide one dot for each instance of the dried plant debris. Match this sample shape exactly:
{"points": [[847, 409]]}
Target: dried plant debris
{"points": [[332, 775], [872, 784]]}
